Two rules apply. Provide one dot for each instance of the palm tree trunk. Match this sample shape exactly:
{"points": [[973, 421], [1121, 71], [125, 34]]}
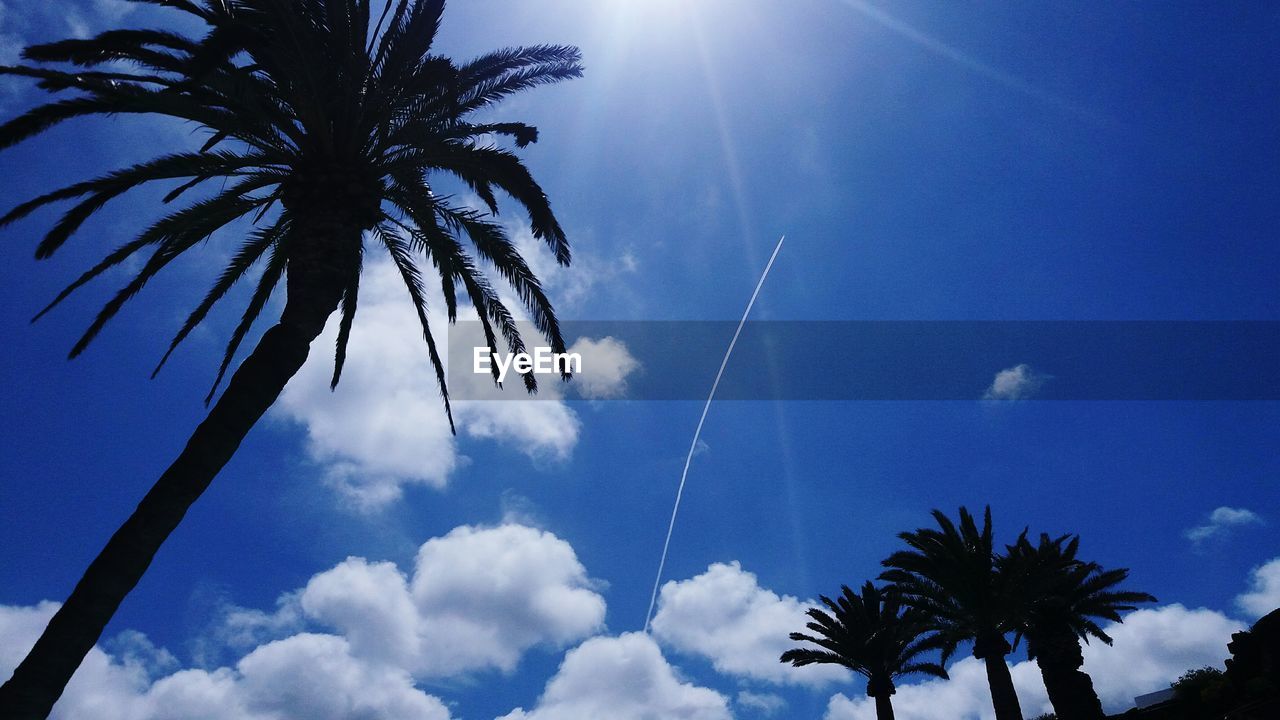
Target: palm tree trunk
{"points": [[41, 677], [1070, 689], [1003, 697], [884, 707]]}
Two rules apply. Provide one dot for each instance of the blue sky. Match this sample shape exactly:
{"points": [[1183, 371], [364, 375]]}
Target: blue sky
{"points": [[927, 161]]}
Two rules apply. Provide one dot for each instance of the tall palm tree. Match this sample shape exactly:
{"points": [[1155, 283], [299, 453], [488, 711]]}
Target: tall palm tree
{"points": [[870, 635], [949, 574], [325, 132], [1061, 598]]}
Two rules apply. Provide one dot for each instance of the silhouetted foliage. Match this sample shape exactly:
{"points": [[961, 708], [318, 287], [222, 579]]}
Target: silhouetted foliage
{"points": [[949, 574], [325, 128], [1203, 691], [1247, 690], [870, 634], [1060, 598]]}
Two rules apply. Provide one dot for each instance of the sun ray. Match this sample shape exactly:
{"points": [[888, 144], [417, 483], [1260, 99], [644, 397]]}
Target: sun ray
{"points": [[970, 63]]}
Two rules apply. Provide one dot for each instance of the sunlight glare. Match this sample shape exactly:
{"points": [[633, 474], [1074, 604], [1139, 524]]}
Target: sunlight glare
{"points": [[648, 12]]}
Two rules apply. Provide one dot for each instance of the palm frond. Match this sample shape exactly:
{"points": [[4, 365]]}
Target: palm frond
{"points": [[333, 119], [173, 236], [498, 75], [271, 276], [253, 249], [409, 273], [865, 632], [350, 298], [1062, 595]]}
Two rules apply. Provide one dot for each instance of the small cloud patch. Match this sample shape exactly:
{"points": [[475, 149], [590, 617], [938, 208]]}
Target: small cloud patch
{"points": [[606, 365], [765, 704], [1220, 523], [1016, 383]]}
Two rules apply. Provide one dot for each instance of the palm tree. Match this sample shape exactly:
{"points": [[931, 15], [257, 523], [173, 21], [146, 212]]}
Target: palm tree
{"points": [[868, 634], [325, 132], [950, 576], [1061, 597]]}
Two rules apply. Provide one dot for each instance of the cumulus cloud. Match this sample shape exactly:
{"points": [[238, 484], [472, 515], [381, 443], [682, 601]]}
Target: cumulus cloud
{"points": [[1220, 522], [1152, 648], [964, 697], [313, 676], [1263, 594], [622, 678], [304, 677], [384, 427], [725, 616], [1016, 383], [243, 628], [475, 599], [606, 365]]}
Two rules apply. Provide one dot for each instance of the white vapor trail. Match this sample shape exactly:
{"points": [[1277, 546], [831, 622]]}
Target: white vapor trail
{"points": [[684, 475]]}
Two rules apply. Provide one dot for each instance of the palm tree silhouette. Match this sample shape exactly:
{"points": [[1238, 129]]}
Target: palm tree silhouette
{"points": [[1061, 597], [868, 634], [950, 576], [325, 130]]}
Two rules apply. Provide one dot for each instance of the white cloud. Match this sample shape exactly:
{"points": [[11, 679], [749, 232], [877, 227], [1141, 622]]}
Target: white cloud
{"points": [[1016, 383], [114, 685], [134, 648], [1220, 522], [1152, 648], [384, 427], [571, 286], [964, 697], [606, 365], [725, 616], [760, 703], [622, 678], [477, 599], [542, 429], [304, 677], [318, 677], [243, 628], [1263, 594]]}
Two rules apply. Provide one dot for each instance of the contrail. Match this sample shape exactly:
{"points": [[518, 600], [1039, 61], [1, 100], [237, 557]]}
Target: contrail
{"points": [[684, 475]]}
